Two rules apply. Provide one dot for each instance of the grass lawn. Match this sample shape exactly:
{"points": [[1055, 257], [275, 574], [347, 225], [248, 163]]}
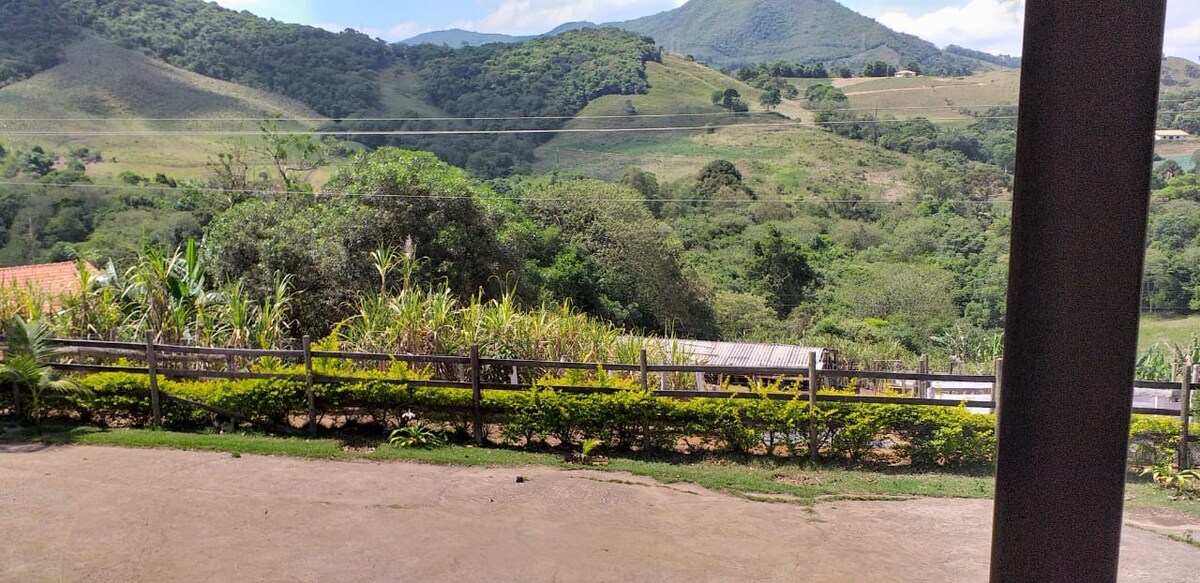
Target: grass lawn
{"points": [[753, 478], [1170, 329]]}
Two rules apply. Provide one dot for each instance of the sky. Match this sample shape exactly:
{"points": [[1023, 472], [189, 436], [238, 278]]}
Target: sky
{"points": [[989, 25]]}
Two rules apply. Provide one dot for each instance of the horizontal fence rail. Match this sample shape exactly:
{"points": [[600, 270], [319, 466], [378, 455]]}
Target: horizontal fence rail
{"points": [[163, 360]]}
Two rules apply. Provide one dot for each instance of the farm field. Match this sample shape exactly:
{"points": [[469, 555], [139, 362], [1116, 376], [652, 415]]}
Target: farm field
{"points": [[935, 97], [1170, 329], [232, 519], [1181, 152]]}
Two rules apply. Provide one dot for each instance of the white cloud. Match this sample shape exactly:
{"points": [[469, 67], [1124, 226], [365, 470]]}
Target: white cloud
{"points": [[1183, 38], [997, 26], [538, 16], [989, 25]]}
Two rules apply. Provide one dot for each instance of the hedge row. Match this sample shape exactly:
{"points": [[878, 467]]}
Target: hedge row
{"points": [[629, 417]]}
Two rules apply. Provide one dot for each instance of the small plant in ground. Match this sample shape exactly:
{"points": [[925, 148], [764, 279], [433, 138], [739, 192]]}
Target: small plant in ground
{"points": [[416, 435], [1185, 483], [588, 447], [585, 456]]}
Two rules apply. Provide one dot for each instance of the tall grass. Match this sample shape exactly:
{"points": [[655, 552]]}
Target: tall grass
{"points": [[171, 297]]}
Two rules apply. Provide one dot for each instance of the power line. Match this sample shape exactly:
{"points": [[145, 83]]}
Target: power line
{"points": [[515, 117], [466, 118], [260, 192], [214, 133]]}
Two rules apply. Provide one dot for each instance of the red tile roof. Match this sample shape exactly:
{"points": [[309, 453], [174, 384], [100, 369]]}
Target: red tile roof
{"points": [[52, 279]]}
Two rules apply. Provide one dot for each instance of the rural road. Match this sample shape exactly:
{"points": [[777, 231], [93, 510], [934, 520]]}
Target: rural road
{"points": [[102, 514]]}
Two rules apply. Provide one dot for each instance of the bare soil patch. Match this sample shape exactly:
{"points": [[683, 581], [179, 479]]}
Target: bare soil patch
{"points": [[105, 514]]}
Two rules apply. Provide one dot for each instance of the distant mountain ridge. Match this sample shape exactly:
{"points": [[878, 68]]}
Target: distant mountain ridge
{"points": [[457, 37], [734, 33]]}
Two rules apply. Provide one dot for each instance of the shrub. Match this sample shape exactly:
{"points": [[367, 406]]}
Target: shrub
{"points": [[626, 417]]}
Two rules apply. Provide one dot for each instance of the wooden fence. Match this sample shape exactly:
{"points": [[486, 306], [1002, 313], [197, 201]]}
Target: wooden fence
{"points": [[210, 363]]}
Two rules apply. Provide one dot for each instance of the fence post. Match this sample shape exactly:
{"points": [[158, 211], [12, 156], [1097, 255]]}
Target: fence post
{"points": [[645, 413], [642, 369], [1185, 406], [997, 386], [476, 394], [814, 448], [152, 369], [230, 365], [922, 385], [308, 385]]}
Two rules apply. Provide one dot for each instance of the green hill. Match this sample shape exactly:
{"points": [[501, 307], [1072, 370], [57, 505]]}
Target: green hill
{"points": [[334, 74], [771, 159], [1180, 73], [738, 32], [108, 88]]}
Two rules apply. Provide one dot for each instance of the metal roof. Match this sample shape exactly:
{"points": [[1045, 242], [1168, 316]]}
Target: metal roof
{"points": [[748, 354]]}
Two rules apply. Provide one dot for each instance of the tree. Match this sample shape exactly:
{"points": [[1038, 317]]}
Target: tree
{"points": [[1164, 172], [27, 366], [36, 162], [614, 261], [878, 69], [646, 183], [730, 99], [378, 199], [721, 177], [771, 98], [781, 271], [293, 156]]}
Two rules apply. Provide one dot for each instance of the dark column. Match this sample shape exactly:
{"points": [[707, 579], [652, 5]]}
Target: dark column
{"points": [[1089, 88]]}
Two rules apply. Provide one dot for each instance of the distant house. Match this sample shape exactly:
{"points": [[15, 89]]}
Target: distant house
{"points": [[48, 281], [906, 74], [1170, 135]]}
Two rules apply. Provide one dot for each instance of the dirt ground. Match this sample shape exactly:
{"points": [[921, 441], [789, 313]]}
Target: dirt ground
{"points": [[103, 514]]}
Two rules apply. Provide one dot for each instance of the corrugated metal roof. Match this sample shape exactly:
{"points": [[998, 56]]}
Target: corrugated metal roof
{"points": [[748, 354]]}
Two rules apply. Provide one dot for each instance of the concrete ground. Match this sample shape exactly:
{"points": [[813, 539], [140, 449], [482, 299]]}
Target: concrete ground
{"points": [[104, 514]]}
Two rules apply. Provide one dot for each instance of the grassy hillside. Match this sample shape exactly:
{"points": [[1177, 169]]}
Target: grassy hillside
{"points": [[96, 80], [935, 97], [944, 97], [401, 94], [737, 32], [1168, 329], [1179, 73], [677, 86], [771, 159]]}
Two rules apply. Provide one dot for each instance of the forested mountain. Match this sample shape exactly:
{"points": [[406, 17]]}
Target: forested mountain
{"points": [[457, 37], [739, 32]]}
